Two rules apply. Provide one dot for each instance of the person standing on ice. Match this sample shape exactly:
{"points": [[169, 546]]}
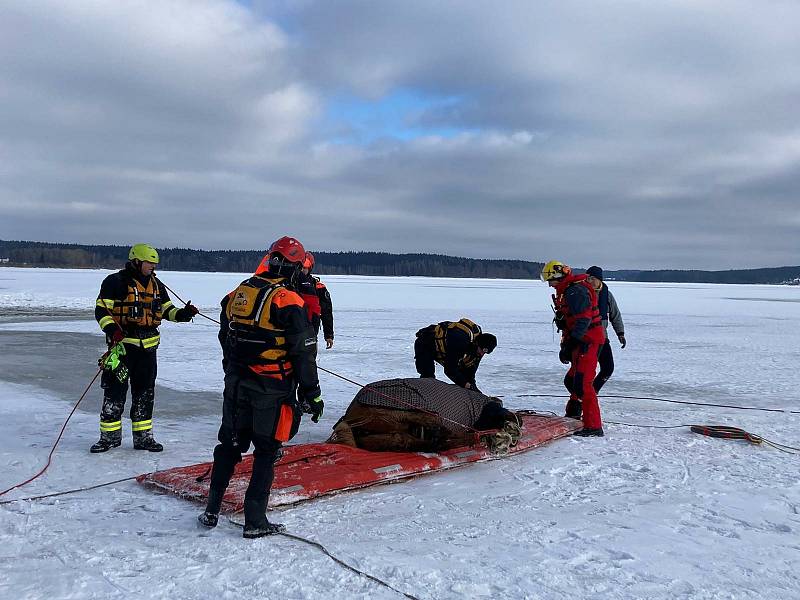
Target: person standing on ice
{"points": [[578, 319], [319, 305], [268, 349], [458, 346], [129, 309], [609, 312]]}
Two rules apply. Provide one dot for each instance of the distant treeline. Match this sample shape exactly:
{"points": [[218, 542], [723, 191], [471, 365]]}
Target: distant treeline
{"points": [[787, 275], [44, 254]]}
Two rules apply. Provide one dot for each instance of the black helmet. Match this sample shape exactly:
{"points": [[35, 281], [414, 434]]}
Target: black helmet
{"points": [[487, 341]]}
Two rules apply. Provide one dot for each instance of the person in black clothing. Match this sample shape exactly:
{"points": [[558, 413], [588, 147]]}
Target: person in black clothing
{"points": [[129, 309], [609, 313], [458, 346], [268, 359], [317, 298]]}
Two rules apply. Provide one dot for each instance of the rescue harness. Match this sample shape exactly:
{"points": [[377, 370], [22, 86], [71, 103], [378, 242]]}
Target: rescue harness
{"points": [[256, 340], [441, 330]]}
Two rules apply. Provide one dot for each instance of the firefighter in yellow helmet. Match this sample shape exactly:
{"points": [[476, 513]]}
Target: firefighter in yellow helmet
{"points": [[582, 335], [130, 307]]}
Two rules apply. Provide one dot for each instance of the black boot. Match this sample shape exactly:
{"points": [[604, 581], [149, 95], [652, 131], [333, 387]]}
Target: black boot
{"points": [[590, 432], [107, 441], [574, 409], [263, 530], [210, 517], [256, 524], [143, 440]]}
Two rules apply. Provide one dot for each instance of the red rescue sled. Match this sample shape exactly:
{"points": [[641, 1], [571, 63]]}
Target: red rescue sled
{"points": [[306, 471]]}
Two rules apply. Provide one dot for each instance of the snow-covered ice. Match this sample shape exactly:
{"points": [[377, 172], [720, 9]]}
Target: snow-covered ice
{"points": [[641, 513]]}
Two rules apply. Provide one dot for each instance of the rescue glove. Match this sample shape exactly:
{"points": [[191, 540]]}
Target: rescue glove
{"points": [[187, 312], [115, 336], [567, 346], [622, 341], [313, 407]]}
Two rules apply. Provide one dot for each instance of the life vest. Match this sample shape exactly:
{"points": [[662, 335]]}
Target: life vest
{"points": [[308, 292], [440, 335], [595, 332], [141, 307], [252, 338]]}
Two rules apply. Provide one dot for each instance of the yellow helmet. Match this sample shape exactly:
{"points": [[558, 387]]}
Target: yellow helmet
{"points": [[143, 252], [555, 270]]}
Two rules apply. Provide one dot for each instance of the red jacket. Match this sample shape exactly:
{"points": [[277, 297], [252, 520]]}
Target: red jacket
{"points": [[576, 300]]}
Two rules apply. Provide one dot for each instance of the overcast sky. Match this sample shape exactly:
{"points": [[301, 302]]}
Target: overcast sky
{"points": [[628, 134]]}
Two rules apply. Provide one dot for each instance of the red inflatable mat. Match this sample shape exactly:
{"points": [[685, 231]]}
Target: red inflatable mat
{"points": [[306, 471]]}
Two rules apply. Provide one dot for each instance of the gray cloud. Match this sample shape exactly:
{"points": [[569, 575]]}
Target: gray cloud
{"points": [[629, 135]]}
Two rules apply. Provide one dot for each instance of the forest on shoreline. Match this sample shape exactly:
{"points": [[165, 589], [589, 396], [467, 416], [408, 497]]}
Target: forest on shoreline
{"points": [[82, 256]]}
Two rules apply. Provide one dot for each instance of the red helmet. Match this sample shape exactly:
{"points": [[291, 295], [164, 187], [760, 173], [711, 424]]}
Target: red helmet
{"points": [[283, 258], [289, 248], [308, 261]]}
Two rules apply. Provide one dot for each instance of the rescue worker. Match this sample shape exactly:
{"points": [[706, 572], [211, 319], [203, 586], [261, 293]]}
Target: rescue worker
{"points": [[609, 312], [267, 354], [578, 319], [317, 299], [130, 307], [458, 346]]}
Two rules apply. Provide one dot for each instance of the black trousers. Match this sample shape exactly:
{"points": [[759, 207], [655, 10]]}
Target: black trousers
{"points": [[606, 363], [250, 414], [424, 355], [142, 370]]}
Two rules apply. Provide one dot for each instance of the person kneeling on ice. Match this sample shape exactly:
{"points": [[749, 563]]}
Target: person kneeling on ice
{"points": [[582, 335], [268, 349], [424, 415], [458, 346]]}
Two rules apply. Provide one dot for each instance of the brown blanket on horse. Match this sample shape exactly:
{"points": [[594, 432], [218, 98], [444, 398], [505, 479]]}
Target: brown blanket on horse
{"points": [[418, 415]]}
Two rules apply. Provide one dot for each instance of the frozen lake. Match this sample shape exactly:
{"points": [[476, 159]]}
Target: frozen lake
{"points": [[642, 513]]}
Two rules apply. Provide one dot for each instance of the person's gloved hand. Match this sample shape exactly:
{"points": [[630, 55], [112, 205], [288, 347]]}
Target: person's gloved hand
{"points": [[314, 408], [328, 343], [187, 312], [567, 346], [622, 341], [115, 336]]}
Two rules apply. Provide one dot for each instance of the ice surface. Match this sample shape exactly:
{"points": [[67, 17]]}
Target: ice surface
{"points": [[641, 513]]}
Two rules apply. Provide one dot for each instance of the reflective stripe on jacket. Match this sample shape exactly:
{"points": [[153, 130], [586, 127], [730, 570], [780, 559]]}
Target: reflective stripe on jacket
{"points": [[136, 305], [442, 329]]}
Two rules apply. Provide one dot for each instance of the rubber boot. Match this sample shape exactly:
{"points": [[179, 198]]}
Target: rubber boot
{"points": [[107, 441], [210, 517], [590, 432], [143, 440], [256, 524], [574, 409]]}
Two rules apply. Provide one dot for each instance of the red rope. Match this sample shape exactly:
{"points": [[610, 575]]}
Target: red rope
{"points": [[58, 439], [174, 293], [723, 431]]}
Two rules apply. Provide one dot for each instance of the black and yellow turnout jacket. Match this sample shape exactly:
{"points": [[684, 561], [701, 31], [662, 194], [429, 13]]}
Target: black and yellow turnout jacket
{"points": [[136, 304]]}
